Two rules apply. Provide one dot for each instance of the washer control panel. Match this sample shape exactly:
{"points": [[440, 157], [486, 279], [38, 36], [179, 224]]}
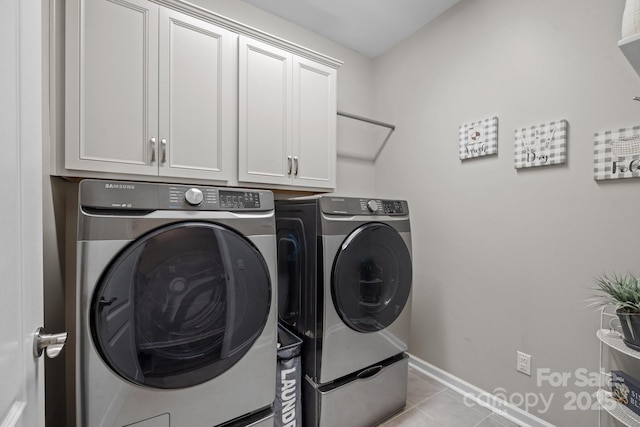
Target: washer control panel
{"points": [[394, 206], [356, 206], [211, 198], [194, 196], [114, 195], [239, 199], [183, 196]]}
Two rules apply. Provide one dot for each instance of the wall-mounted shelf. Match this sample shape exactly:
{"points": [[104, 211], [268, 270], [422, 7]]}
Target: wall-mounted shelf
{"points": [[375, 123], [612, 339], [619, 412], [630, 47]]}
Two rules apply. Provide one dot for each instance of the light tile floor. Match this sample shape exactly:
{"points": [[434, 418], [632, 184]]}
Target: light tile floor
{"points": [[431, 404]]}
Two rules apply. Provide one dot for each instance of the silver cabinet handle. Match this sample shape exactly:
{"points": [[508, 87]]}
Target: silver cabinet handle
{"points": [[153, 150], [53, 343], [289, 163], [163, 144], [295, 164]]}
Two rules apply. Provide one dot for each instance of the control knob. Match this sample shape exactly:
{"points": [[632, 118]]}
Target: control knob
{"points": [[193, 196], [372, 205]]}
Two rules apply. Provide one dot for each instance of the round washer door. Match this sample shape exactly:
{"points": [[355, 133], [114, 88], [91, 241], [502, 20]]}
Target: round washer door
{"points": [[180, 305], [371, 278]]}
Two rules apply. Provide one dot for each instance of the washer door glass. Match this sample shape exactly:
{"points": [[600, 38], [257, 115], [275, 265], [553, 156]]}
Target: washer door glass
{"points": [[371, 278], [180, 305]]}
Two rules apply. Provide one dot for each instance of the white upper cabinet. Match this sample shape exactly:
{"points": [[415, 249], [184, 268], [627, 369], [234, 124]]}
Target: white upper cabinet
{"points": [[265, 120], [314, 124], [198, 99], [168, 91], [287, 118], [111, 86], [150, 91]]}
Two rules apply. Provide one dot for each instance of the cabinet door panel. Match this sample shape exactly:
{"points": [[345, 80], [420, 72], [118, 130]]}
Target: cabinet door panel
{"points": [[314, 123], [264, 113], [197, 97], [113, 118]]}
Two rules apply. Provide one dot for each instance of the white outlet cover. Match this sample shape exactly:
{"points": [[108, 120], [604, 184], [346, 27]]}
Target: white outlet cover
{"points": [[523, 363]]}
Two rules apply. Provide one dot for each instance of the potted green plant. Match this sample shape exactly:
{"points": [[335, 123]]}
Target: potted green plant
{"points": [[624, 293]]}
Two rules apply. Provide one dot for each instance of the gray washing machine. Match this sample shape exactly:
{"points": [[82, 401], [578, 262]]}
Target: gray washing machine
{"points": [[344, 284], [172, 305]]}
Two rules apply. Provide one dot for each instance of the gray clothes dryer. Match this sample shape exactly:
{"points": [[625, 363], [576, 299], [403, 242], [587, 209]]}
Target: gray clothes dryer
{"points": [[173, 307], [344, 284]]}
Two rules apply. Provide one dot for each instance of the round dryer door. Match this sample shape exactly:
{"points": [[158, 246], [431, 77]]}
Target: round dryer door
{"points": [[180, 305], [371, 278]]}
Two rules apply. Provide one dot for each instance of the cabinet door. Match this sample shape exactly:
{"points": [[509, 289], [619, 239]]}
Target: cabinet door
{"points": [[197, 97], [314, 124], [111, 86], [264, 113]]}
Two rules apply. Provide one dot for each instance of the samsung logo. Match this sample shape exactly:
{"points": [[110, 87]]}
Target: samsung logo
{"points": [[111, 186]]}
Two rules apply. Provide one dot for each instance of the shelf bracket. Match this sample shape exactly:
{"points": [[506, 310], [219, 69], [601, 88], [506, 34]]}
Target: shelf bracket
{"points": [[373, 122]]}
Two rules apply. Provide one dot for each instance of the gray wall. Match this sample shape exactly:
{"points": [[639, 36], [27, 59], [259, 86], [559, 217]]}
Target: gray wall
{"points": [[504, 260]]}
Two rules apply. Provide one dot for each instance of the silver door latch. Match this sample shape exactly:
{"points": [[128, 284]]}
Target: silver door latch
{"points": [[52, 342]]}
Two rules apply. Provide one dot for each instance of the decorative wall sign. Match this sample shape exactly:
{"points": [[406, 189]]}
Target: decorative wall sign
{"points": [[616, 154], [541, 145], [479, 138]]}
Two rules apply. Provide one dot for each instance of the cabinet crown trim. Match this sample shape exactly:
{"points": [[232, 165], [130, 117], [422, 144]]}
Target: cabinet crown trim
{"points": [[230, 24]]}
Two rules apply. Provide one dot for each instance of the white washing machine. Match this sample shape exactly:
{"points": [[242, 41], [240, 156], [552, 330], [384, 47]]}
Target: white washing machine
{"points": [[344, 284], [172, 306]]}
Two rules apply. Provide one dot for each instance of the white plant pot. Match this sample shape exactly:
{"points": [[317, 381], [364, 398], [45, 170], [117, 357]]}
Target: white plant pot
{"points": [[631, 18]]}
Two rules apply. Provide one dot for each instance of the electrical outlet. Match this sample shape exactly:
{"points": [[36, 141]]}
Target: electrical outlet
{"points": [[523, 363]]}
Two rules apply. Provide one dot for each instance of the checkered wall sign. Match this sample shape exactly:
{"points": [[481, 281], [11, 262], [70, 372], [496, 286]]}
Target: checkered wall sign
{"points": [[541, 145], [479, 138], [616, 154]]}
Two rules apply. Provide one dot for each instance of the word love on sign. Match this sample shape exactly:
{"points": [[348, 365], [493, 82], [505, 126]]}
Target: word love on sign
{"points": [[541, 145], [616, 154]]}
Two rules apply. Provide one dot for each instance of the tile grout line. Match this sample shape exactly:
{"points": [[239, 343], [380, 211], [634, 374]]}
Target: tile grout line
{"points": [[411, 406], [428, 398], [482, 420]]}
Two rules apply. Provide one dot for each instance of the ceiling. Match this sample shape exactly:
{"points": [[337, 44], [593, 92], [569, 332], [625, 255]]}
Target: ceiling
{"points": [[368, 26]]}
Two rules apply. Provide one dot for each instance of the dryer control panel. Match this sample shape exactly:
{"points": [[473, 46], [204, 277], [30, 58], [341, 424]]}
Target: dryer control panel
{"points": [[239, 200], [129, 196], [359, 206]]}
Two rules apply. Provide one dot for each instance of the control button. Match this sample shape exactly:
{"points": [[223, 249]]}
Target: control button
{"points": [[372, 205], [193, 196]]}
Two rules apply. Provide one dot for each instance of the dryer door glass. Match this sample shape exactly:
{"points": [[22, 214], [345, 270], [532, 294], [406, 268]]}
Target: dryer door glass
{"points": [[371, 278], [180, 305], [291, 259], [296, 267]]}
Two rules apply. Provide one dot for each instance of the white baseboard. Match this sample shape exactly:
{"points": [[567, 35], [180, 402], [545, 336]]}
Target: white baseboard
{"points": [[478, 396]]}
